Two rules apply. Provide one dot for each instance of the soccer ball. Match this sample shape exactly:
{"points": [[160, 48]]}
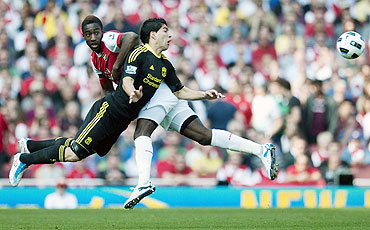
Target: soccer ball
{"points": [[350, 45]]}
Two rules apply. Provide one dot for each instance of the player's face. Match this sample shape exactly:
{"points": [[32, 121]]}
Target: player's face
{"points": [[93, 35], [163, 37]]}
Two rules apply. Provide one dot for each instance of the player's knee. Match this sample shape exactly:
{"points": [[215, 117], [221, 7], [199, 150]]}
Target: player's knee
{"points": [[144, 127], [70, 156], [76, 152]]}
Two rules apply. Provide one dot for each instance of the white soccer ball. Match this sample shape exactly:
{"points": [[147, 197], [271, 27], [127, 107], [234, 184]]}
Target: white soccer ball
{"points": [[350, 45]]}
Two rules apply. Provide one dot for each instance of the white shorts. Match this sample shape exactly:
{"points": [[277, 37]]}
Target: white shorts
{"points": [[166, 109]]}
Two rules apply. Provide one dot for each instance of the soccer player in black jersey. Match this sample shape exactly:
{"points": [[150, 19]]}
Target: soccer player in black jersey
{"points": [[110, 115]]}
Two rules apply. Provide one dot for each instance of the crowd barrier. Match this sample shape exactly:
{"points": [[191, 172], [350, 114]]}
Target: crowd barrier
{"points": [[197, 197]]}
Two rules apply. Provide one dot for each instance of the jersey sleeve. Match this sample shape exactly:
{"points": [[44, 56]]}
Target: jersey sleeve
{"points": [[171, 79], [132, 63], [112, 41]]}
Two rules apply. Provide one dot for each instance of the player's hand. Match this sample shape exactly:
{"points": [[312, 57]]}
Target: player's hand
{"points": [[136, 95], [213, 94]]}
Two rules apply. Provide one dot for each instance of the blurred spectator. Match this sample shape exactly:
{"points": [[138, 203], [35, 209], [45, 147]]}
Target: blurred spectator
{"points": [[80, 170], [112, 171], [354, 153], [264, 51], [47, 172], [266, 119], [174, 169], [302, 173], [320, 113], [235, 173], [4, 157], [52, 20], [207, 161], [347, 122], [61, 199], [320, 152], [333, 167], [220, 113], [298, 146]]}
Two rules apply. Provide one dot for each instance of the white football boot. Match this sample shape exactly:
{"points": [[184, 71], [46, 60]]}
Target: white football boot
{"points": [[138, 194], [17, 170], [268, 160], [22, 143]]}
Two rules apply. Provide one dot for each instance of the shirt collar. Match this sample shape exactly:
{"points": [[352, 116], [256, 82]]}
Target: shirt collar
{"points": [[151, 50]]}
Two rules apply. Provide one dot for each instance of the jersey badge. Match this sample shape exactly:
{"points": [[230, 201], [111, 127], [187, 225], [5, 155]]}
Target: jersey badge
{"points": [[88, 140], [164, 71], [151, 67], [130, 69], [104, 56]]}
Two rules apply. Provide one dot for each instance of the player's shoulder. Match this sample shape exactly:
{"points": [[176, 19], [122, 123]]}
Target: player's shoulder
{"points": [[138, 52], [110, 35]]}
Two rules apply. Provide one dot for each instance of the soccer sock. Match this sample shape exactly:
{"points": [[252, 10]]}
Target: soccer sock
{"points": [[48, 155], [227, 140], [144, 153], [38, 145]]}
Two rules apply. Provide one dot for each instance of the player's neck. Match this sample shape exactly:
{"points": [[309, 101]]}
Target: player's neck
{"points": [[157, 51]]}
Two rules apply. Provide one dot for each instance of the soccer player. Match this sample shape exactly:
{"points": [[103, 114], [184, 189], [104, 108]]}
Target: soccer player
{"points": [[173, 114], [111, 115]]}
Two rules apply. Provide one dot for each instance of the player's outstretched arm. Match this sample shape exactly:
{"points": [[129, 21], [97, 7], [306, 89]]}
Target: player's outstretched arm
{"points": [[128, 41], [189, 94]]}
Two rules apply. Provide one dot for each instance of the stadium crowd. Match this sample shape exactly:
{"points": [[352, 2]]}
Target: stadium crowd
{"points": [[275, 60]]}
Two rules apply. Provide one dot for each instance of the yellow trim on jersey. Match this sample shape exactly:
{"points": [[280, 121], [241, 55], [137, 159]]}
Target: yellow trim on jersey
{"points": [[128, 77], [93, 122], [164, 57], [179, 89], [61, 153], [136, 53], [151, 50], [130, 58]]}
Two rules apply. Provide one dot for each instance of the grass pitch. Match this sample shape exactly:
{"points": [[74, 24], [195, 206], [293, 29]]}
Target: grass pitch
{"points": [[185, 219]]}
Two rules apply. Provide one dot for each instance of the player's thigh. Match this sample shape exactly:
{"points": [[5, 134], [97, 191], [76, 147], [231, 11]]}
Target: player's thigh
{"points": [[155, 114], [96, 127], [106, 144], [175, 119]]}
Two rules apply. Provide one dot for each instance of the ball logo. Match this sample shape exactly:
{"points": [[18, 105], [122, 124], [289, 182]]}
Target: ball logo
{"points": [[130, 69]]}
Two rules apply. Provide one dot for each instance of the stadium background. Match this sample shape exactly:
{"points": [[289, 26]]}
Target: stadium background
{"points": [[267, 57]]}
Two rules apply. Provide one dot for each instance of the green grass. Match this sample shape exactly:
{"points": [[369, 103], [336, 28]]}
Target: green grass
{"points": [[185, 219]]}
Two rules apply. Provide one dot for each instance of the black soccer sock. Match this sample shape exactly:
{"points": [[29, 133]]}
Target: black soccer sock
{"points": [[34, 146], [48, 155]]}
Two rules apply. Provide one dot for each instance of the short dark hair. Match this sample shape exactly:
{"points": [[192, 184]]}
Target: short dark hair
{"points": [[283, 83], [89, 20], [149, 25]]}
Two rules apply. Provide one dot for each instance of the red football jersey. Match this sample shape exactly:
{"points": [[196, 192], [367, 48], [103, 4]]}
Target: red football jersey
{"points": [[103, 62]]}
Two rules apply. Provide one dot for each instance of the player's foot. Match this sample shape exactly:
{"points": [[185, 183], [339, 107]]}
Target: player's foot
{"points": [[268, 160], [138, 194], [22, 143], [17, 170]]}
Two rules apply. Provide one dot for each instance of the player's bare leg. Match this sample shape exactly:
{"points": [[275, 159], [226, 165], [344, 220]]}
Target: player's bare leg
{"points": [[224, 139]]}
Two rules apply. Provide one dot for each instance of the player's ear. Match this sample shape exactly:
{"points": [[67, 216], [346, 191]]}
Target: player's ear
{"points": [[153, 35]]}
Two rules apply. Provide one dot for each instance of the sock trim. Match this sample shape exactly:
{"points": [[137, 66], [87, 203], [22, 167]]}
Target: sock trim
{"points": [[62, 149], [68, 142]]}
